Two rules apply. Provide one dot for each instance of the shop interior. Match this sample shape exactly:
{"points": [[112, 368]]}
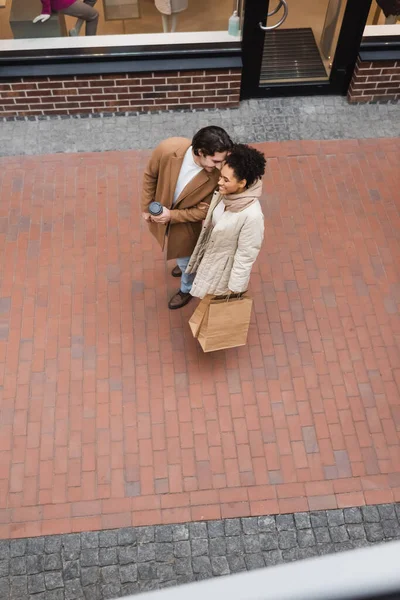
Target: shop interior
{"points": [[118, 17]]}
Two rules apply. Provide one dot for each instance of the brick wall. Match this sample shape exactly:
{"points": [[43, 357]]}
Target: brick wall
{"points": [[375, 81], [125, 92]]}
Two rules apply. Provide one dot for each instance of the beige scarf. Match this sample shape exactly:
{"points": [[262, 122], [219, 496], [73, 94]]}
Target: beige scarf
{"points": [[238, 202]]}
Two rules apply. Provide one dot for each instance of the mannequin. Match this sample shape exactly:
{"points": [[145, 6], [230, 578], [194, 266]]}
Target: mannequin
{"points": [[85, 12], [391, 9], [169, 10]]}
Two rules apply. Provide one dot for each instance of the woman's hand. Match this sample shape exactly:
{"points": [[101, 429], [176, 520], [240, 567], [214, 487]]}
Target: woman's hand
{"points": [[41, 18]]}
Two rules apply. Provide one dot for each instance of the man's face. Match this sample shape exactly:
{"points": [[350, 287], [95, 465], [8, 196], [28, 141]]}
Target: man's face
{"points": [[209, 163]]}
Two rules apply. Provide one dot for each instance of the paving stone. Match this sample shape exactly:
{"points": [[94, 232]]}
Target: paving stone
{"points": [[233, 527], [127, 555], [17, 548], [128, 573], [198, 530], [183, 566], [5, 568], [287, 539], [36, 583], [335, 518], [202, 564], [35, 546], [4, 588], [146, 552], [90, 557], [391, 528], [236, 564], [182, 549], [254, 561], [251, 544], [165, 573], [147, 571], [302, 520], [89, 576], [90, 539], [374, 532], [352, 515], [163, 533], [17, 565], [71, 569], [111, 591], [217, 547], [387, 511], [71, 546], [339, 534], [356, 532], [306, 538], [319, 519], [199, 547], [285, 522], [34, 564], [52, 562], [322, 535], [108, 539], [145, 535], [53, 544], [216, 529], [53, 580], [108, 556], [164, 552], [109, 574], [180, 532], [4, 549], [370, 514], [250, 526]]}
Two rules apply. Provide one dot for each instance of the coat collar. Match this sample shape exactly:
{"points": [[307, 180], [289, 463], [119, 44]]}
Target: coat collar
{"points": [[199, 180]]}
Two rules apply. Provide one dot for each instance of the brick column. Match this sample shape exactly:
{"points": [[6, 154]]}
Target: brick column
{"points": [[375, 81]]}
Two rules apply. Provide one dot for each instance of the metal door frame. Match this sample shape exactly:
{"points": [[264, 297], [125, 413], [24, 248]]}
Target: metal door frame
{"points": [[351, 32]]}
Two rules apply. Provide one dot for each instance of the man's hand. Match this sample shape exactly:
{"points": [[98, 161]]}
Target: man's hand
{"points": [[41, 18], [146, 216], [164, 218]]}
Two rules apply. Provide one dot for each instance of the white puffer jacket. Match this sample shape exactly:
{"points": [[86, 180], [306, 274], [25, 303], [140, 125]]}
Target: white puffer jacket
{"points": [[224, 254]]}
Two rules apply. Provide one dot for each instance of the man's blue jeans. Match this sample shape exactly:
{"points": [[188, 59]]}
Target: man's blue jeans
{"points": [[187, 279]]}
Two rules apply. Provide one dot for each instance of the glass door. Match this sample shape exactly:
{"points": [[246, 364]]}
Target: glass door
{"points": [[307, 47]]}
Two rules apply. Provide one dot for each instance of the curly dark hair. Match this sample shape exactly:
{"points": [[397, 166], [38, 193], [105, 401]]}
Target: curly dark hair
{"points": [[247, 163], [211, 139]]}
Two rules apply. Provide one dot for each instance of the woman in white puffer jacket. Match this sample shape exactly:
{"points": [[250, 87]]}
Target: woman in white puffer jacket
{"points": [[233, 230]]}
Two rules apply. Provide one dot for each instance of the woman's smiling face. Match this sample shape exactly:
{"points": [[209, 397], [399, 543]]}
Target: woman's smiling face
{"points": [[228, 183]]}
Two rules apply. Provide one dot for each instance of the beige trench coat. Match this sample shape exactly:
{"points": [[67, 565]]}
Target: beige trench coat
{"points": [[159, 183], [225, 254]]}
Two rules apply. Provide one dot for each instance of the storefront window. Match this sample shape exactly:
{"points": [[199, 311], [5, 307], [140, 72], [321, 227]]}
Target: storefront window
{"points": [[384, 12], [68, 19]]}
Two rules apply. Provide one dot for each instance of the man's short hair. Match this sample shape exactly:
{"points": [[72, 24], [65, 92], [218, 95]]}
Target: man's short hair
{"points": [[211, 139]]}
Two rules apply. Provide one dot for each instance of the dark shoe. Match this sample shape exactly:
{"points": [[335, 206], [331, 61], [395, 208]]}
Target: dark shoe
{"points": [[179, 300], [176, 272]]}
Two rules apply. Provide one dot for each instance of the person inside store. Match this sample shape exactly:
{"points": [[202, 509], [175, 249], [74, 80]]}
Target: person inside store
{"points": [[83, 10], [233, 231]]}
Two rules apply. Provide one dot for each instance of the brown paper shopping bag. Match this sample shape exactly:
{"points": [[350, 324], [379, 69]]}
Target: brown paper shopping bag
{"points": [[197, 317], [224, 323]]}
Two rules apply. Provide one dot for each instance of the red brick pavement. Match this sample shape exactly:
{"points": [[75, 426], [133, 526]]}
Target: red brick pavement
{"points": [[110, 413]]}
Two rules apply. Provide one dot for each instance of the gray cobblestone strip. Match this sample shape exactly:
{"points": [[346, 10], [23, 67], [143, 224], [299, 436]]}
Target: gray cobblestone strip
{"points": [[115, 563], [269, 119]]}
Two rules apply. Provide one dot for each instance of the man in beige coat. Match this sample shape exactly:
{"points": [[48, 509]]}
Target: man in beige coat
{"points": [[182, 175]]}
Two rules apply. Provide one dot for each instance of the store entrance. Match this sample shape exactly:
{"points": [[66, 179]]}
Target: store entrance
{"points": [[294, 48]]}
